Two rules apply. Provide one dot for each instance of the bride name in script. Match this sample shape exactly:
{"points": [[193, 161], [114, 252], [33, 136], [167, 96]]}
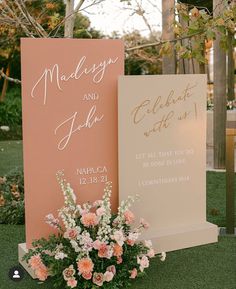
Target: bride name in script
{"points": [[55, 75], [72, 127]]}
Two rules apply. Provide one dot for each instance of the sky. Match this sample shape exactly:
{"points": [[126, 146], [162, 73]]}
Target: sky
{"points": [[113, 15]]}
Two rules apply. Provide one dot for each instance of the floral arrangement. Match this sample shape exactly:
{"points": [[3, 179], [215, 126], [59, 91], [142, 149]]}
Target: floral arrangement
{"points": [[12, 209], [93, 247]]}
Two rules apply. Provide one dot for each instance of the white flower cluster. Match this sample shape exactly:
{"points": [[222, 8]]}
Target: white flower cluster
{"points": [[86, 242], [59, 254], [70, 210], [69, 196], [52, 221], [124, 206], [104, 210]]}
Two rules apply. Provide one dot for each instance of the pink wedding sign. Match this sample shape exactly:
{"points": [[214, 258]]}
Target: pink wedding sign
{"points": [[69, 94]]}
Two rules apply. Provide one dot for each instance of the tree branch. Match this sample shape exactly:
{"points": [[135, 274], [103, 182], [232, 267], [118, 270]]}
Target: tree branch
{"points": [[77, 8], [162, 42], [2, 74]]}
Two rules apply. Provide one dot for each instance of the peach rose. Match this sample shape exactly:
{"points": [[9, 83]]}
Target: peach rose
{"points": [[2, 201], [68, 273], [87, 276], [89, 220], [35, 262], [133, 273], [98, 279], [2, 180], [72, 283], [16, 195], [41, 272], [85, 265], [117, 250], [129, 217]]}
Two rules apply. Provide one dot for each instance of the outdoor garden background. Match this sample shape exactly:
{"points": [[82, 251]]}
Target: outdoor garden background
{"points": [[190, 31]]}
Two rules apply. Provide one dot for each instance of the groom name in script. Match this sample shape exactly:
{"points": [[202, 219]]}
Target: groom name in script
{"points": [[54, 74], [72, 127]]}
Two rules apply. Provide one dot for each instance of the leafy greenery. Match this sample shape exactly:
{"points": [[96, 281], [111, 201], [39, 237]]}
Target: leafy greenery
{"points": [[143, 61], [10, 110], [201, 27], [12, 209], [11, 115]]}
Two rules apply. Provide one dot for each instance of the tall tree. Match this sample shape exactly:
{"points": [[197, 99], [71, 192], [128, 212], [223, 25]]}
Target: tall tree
{"points": [[219, 127], [168, 17]]}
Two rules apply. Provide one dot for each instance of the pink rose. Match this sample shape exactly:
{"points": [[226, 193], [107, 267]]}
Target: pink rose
{"points": [[98, 279], [151, 253], [97, 244], [119, 260], [143, 262], [87, 276], [129, 217], [89, 220], [133, 273], [71, 234], [112, 269], [144, 224], [130, 242], [68, 273], [72, 283], [108, 276], [100, 211], [104, 251]]}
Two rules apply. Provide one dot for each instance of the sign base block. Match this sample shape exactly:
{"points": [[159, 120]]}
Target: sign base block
{"points": [[182, 237], [22, 250]]}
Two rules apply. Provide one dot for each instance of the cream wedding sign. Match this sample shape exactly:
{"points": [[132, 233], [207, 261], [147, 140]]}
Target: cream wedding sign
{"points": [[162, 156]]}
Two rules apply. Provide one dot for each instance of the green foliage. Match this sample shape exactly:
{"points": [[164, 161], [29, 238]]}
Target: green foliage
{"points": [[10, 109], [143, 61], [12, 198], [200, 26]]}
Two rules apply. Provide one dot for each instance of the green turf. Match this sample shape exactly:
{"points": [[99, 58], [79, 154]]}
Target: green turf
{"points": [[205, 267], [10, 156], [216, 198]]}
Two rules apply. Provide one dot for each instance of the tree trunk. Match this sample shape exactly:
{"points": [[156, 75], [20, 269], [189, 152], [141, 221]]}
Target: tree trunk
{"points": [[5, 84], [69, 19], [168, 17], [231, 95], [219, 127]]}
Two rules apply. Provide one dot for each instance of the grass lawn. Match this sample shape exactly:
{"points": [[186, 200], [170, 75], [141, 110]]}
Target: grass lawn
{"points": [[205, 267], [10, 156]]}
